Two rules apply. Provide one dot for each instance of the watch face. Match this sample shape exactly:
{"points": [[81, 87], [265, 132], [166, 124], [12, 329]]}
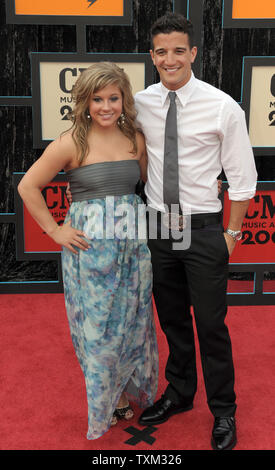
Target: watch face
{"points": [[236, 234]]}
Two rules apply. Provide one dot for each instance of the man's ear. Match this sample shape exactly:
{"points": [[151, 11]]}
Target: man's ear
{"points": [[152, 56], [194, 51]]}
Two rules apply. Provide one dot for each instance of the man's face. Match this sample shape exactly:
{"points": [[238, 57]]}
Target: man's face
{"points": [[173, 57]]}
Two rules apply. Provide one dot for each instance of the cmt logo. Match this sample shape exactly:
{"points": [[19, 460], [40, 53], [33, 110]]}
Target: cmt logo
{"points": [[266, 207], [65, 78], [91, 2], [55, 196], [272, 85]]}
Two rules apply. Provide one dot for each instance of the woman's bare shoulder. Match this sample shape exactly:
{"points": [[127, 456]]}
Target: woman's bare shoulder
{"points": [[66, 140], [140, 141], [65, 145]]}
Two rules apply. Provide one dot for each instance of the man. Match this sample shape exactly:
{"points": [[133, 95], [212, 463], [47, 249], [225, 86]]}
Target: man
{"points": [[211, 136]]}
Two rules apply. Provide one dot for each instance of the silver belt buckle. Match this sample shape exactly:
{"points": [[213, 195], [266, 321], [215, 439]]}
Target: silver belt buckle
{"points": [[174, 221]]}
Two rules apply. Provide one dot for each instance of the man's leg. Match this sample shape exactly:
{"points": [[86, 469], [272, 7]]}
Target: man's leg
{"points": [[172, 300], [206, 265]]}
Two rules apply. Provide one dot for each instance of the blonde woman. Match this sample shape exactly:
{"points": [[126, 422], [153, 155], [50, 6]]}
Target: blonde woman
{"points": [[107, 275]]}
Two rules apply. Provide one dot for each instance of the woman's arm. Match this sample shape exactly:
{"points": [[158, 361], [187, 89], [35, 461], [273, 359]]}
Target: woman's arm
{"points": [[55, 158]]}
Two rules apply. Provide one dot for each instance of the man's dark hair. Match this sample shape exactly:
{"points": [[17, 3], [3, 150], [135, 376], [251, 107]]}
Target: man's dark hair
{"points": [[171, 22]]}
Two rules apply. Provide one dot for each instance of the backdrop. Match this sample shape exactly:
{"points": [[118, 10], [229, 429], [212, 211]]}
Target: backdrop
{"points": [[223, 45]]}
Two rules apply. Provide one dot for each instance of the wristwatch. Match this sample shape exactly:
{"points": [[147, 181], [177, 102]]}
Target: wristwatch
{"points": [[236, 234]]}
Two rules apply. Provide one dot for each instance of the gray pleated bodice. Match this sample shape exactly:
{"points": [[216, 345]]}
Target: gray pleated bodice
{"points": [[98, 180]]}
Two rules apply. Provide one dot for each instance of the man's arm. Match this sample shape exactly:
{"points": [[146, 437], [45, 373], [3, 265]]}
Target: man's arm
{"points": [[239, 166]]}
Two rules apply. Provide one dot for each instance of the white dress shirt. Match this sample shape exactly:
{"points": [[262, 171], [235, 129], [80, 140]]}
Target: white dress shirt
{"points": [[212, 135]]}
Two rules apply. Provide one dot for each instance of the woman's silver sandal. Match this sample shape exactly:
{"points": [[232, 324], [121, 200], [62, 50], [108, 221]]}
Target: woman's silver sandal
{"points": [[121, 413]]}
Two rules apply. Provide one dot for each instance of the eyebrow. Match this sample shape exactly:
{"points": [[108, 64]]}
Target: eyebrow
{"points": [[113, 94], [160, 49]]}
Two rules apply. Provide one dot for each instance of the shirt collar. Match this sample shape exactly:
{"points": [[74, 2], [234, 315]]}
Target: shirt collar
{"points": [[183, 93]]}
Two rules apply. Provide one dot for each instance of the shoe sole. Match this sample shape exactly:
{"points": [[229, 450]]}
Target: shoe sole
{"points": [[163, 420], [232, 445]]}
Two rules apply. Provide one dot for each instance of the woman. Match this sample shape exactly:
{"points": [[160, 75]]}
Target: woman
{"points": [[106, 274]]}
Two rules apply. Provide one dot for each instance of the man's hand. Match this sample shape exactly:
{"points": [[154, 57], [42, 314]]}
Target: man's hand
{"points": [[219, 186], [230, 243]]}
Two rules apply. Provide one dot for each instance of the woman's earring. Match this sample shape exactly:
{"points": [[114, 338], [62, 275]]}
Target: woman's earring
{"points": [[88, 116], [121, 120]]}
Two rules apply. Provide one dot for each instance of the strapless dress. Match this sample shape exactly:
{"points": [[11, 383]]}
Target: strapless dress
{"points": [[108, 290]]}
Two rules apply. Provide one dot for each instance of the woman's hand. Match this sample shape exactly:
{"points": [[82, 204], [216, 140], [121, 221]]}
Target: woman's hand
{"points": [[68, 236]]}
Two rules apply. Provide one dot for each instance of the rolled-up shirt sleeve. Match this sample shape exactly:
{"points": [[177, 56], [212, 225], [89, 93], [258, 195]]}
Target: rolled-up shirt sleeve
{"points": [[236, 153]]}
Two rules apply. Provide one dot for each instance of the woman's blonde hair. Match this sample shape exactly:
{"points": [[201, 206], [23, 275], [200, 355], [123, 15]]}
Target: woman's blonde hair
{"points": [[91, 80]]}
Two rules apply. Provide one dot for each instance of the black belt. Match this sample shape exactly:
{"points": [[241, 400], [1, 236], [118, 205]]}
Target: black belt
{"points": [[197, 220], [202, 220]]}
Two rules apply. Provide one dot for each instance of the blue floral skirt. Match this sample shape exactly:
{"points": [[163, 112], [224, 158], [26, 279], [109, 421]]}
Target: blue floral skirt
{"points": [[108, 297]]}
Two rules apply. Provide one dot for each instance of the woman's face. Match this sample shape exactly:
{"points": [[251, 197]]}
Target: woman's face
{"points": [[105, 106]]}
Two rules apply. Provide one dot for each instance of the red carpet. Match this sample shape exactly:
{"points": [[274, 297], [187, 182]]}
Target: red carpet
{"points": [[43, 400]]}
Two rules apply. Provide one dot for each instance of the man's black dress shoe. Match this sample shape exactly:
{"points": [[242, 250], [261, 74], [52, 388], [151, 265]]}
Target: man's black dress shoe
{"points": [[224, 433], [161, 411]]}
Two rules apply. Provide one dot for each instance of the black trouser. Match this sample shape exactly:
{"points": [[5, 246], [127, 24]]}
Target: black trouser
{"points": [[196, 276]]}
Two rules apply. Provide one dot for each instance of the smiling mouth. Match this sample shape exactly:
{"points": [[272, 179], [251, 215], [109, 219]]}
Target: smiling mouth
{"points": [[106, 116], [171, 69]]}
